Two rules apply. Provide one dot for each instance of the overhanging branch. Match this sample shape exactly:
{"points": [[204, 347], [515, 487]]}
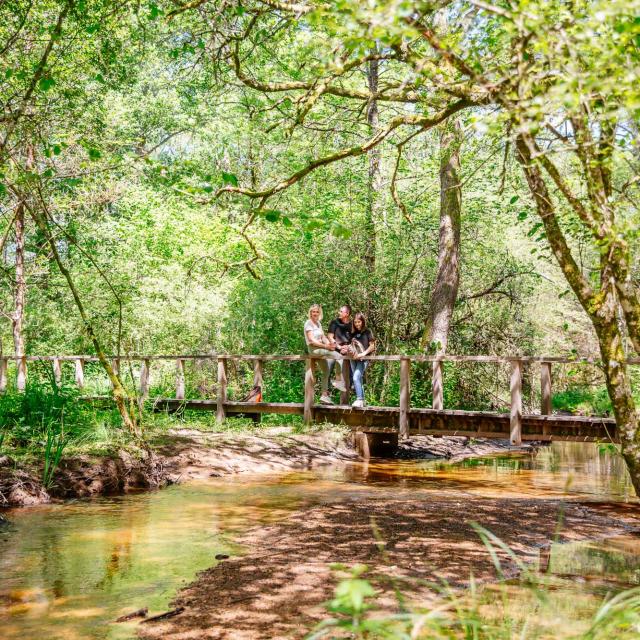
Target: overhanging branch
{"points": [[424, 122]]}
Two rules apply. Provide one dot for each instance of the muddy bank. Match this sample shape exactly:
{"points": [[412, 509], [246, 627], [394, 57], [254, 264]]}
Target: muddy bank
{"points": [[185, 454], [278, 588], [80, 477]]}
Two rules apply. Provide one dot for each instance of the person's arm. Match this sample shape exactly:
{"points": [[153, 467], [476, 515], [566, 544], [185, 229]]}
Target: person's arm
{"points": [[331, 335], [311, 342], [370, 349]]}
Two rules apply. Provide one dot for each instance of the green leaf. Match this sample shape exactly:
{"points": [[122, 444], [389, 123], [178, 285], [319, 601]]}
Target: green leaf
{"points": [[272, 215], [230, 178], [70, 182], [57, 149], [533, 229], [287, 221], [522, 215], [46, 83], [313, 224], [154, 11], [94, 154], [514, 199], [339, 231]]}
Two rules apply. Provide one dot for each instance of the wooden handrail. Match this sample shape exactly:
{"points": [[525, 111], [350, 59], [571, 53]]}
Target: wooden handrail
{"points": [[301, 358], [309, 408]]}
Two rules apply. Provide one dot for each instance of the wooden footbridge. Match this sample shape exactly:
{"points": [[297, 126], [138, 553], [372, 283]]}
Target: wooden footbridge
{"points": [[372, 425]]}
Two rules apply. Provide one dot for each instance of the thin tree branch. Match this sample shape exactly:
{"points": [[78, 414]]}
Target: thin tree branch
{"points": [[414, 120]]}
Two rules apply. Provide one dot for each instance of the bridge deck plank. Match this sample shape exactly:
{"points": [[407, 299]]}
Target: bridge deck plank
{"points": [[379, 419]]}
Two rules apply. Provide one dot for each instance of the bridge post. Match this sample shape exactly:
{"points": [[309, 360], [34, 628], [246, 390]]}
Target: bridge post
{"points": [[3, 374], [516, 402], [179, 379], [144, 382], [222, 390], [405, 395], [57, 371], [346, 378], [79, 373], [437, 396], [309, 383], [21, 381], [258, 369], [545, 388]]}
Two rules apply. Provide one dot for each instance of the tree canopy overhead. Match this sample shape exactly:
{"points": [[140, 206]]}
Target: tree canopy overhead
{"points": [[166, 166]]}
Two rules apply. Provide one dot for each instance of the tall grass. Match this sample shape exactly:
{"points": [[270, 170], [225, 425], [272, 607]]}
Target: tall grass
{"points": [[529, 608], [32, 422], [52, 453]]}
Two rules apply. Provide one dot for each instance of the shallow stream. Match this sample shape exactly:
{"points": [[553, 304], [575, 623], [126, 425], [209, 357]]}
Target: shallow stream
{"points": [[69, 570]]}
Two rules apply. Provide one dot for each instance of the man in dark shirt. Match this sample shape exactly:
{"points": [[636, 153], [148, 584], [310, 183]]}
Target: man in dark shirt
{"points": [[341, 329], [340, 333]]}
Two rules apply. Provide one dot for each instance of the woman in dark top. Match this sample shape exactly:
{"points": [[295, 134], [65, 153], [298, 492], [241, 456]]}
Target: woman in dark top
{"points": [[363, 344]]}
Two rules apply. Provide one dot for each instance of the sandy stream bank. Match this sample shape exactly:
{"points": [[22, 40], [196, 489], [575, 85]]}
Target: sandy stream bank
{"points": [[277, 586], [187, 454]]}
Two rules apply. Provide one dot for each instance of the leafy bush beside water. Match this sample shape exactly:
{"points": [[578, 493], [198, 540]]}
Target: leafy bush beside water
{"points": [[582, 401]]}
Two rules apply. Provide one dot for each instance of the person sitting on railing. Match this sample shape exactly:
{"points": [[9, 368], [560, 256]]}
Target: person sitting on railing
{"points": [[319, 344], [339, 333], [362, 344]]}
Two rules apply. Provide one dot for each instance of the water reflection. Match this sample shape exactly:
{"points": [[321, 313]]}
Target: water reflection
{"points": [[562, 470], [69, 570], [578, 578]]}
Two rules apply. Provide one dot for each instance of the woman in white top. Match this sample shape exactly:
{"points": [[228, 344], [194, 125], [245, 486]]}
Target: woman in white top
{"points": [[319, 344]]}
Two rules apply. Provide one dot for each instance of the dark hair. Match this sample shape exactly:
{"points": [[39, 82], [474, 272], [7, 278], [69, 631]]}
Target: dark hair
{"points": [[360, 316], [347, 307]]}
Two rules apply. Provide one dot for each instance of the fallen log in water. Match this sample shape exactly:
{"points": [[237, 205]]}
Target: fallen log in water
{"points": [[164, 616], [139, 613]]}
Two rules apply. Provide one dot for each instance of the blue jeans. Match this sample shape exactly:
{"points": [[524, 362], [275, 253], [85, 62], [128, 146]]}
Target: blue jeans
{"points": [[358, 367]]}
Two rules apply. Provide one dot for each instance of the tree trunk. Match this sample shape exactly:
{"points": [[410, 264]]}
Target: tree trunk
{"points": [[619, 385], [126, 405], [445, 289], [374, 185], [601, 307], [19, 290]]}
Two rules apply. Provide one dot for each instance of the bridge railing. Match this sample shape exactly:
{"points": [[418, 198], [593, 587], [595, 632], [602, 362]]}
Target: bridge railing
{"points": [[515, 380]]}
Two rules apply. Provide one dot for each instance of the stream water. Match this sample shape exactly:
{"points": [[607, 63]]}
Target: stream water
{"points": [[69, 570]]}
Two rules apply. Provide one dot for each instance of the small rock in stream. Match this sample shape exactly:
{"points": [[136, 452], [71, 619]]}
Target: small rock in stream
{"points": [[221, 556]]}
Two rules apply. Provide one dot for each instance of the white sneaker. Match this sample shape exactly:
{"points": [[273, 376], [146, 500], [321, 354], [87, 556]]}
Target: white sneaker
{"points": [[325, 399], [339, 385], [358, 403]]}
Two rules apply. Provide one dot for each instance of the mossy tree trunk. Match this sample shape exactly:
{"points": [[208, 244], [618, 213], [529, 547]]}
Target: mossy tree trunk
{"points": [[374, 186], [19, 284], [602, 304]]}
